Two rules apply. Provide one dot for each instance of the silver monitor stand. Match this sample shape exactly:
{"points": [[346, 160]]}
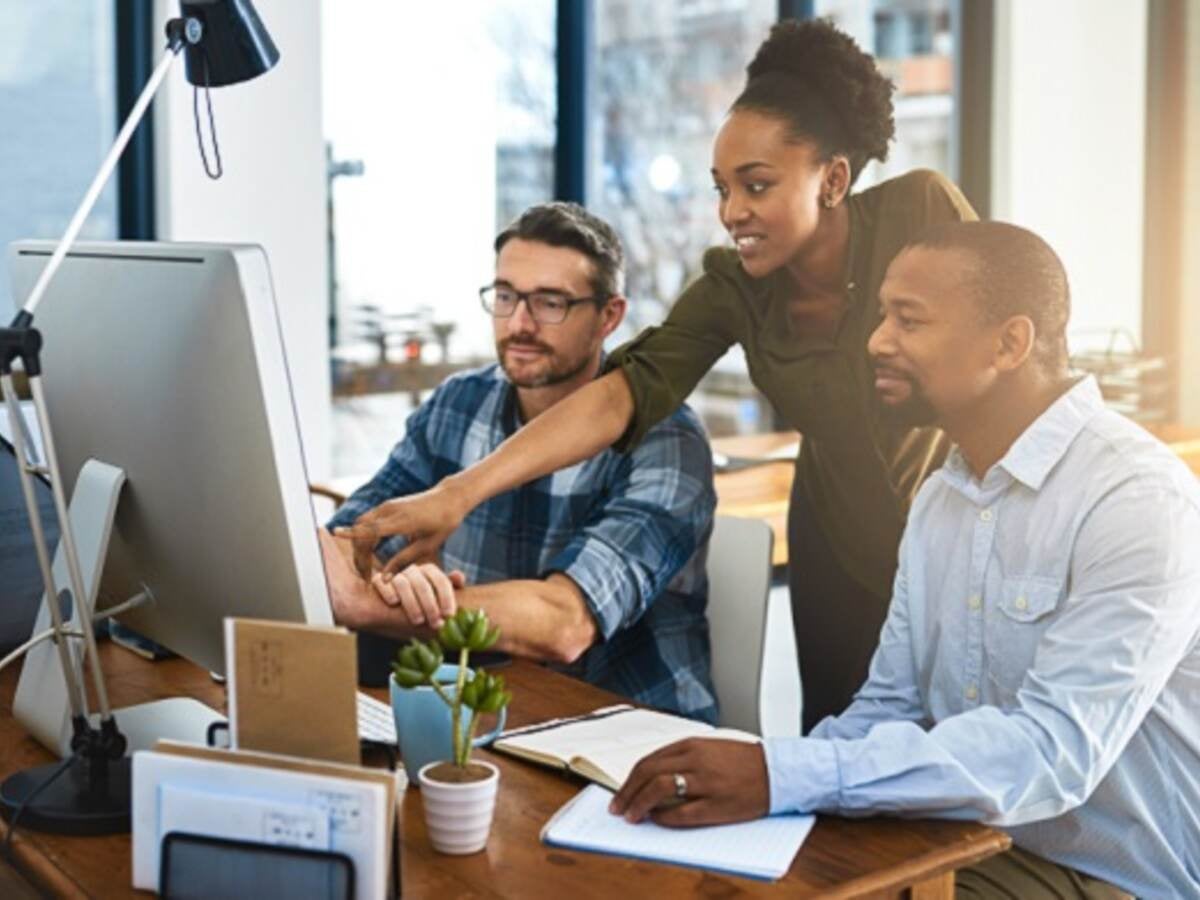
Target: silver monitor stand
{"points": [[40, 703]]}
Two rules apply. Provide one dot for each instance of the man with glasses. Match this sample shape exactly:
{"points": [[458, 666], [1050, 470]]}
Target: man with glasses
{"points": [[599, 568]]}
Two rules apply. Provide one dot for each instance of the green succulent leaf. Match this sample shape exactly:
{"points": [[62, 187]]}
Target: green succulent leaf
{"points": [[451, 635], [407, 678], [470, 694], [407, 658], [490, 638], [494, 701], [478, 633], [428, 656]]}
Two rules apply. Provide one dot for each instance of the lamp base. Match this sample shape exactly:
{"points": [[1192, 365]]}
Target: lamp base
{"points": [[75, 802]]}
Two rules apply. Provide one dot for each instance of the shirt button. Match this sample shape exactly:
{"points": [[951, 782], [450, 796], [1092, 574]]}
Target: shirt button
{"points": [[972, 692], [974, 602], [1022, 603], [986, 515]]}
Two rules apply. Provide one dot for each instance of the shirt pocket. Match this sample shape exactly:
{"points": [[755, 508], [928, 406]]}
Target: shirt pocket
{"points": [[1023, 612]]}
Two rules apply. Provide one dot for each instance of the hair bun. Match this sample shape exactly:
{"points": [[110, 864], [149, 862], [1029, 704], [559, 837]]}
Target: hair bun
{"points": [[827, 62]]}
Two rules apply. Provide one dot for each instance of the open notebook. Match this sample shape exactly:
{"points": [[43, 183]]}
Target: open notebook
{"points": [[763, 848], [604, 745]]}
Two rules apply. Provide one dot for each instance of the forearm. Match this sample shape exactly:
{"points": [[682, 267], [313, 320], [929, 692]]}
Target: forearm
{"points": [[1016, 774], [538, 619], [576, 428]]}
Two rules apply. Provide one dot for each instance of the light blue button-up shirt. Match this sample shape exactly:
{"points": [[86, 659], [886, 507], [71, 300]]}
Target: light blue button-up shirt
{"points": [[1039, 669]]}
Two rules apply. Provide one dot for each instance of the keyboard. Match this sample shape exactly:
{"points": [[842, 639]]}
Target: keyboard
{"points": [[375, 720]]}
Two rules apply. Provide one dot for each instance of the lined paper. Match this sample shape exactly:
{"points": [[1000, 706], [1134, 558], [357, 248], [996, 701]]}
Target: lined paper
{"points": [[763, 848]]}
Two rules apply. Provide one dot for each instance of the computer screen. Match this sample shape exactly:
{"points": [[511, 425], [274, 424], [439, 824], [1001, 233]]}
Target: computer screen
{"points": [[166, 360], [20, 578]]}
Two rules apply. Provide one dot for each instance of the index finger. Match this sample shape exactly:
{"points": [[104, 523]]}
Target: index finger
{"points": [[364, 557], [359, 531], [363, 539], [414, 553]]}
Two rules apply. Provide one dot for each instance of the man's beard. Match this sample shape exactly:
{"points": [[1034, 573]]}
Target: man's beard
{"points": [[557, 371], [914, 412]]}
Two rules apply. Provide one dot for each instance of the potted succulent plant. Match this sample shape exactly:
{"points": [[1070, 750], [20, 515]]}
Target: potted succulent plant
{"points": [[459, 794]]}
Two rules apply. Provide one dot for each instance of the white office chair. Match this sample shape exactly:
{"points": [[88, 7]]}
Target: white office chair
{"points": [[739, 581]]}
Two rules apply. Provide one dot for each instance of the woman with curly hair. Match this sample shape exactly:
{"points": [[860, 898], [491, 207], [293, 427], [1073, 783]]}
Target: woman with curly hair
{"points": [[799, 293]]}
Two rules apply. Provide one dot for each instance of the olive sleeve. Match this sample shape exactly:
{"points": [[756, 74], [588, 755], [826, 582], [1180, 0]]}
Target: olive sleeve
{"points": [[665, 362]]}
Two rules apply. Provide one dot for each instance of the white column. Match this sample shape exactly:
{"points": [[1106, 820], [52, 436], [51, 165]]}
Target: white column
{"points": [[272, 192], [1069, 145]]}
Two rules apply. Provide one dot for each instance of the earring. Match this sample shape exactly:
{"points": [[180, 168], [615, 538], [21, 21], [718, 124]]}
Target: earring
{"points": [[829, 202]]}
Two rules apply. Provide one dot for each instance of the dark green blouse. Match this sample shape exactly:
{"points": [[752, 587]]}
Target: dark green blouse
{"points": [[858, 472]]}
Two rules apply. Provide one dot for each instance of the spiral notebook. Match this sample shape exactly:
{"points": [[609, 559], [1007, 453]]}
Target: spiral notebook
{"points": [[762, 848]]}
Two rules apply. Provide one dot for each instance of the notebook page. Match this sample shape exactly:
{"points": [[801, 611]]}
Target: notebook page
{"points": [[763, 848], [614, 743]]}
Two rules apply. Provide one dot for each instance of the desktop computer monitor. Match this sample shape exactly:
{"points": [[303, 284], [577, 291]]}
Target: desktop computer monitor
{"points": [[166, 360]]}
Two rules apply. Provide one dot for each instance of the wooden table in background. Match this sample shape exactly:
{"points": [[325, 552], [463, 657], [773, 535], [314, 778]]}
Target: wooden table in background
{"points": [[761, 492], [841, 858]]}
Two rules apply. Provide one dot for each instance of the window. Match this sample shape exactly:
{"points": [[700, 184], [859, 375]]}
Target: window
{"points": [[664, 77], [441, 128], [522, 33], [58, 106], [912, 41], [456, 115]]}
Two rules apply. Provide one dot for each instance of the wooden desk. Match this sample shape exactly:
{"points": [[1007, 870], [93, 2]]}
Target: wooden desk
{"points": [[842, 857], [763, 492]]}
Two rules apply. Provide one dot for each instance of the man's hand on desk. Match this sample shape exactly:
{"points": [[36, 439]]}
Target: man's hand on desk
{"points": [[423, 592], [724, 781], [426, 519], [420, 595]]}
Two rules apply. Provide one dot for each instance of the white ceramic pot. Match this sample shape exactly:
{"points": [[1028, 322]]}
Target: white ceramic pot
{"points": [[459, 816]]}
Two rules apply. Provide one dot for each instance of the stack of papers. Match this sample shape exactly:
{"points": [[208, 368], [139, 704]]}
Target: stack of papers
{"points": [[263, 798]]}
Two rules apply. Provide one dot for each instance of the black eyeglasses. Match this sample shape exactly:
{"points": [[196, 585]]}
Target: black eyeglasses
{"points": [[546, 307]]}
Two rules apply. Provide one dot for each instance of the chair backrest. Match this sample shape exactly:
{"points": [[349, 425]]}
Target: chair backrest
{"points": [[739, 582]]}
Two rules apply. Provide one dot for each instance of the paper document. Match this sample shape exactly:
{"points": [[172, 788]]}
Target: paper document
{"points": [[763, 848], [605, 744], [283, 800]]}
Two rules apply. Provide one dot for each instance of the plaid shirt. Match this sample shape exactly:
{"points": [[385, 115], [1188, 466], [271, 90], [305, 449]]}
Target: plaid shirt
{"points": [[630, 529]]}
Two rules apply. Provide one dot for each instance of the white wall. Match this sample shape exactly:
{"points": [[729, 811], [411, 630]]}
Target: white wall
{"points": [[272, 192], [1068, 147], [1189, 314]]}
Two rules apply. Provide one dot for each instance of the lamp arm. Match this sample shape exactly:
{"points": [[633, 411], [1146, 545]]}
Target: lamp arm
{"points": [[106, 169]]}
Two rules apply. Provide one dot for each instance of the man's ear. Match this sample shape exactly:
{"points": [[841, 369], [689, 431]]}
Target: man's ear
{"points": [[1015, 345], [612, 314]]}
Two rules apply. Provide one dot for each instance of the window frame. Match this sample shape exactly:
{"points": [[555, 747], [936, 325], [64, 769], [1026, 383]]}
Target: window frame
{"points": [[134, 57]]}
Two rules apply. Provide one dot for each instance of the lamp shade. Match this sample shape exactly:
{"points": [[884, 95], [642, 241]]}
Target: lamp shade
{"points": [[234, 47]]}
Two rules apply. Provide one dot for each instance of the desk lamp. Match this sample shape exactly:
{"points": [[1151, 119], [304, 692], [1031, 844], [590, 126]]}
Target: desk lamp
{"points": [[224, 43]]}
